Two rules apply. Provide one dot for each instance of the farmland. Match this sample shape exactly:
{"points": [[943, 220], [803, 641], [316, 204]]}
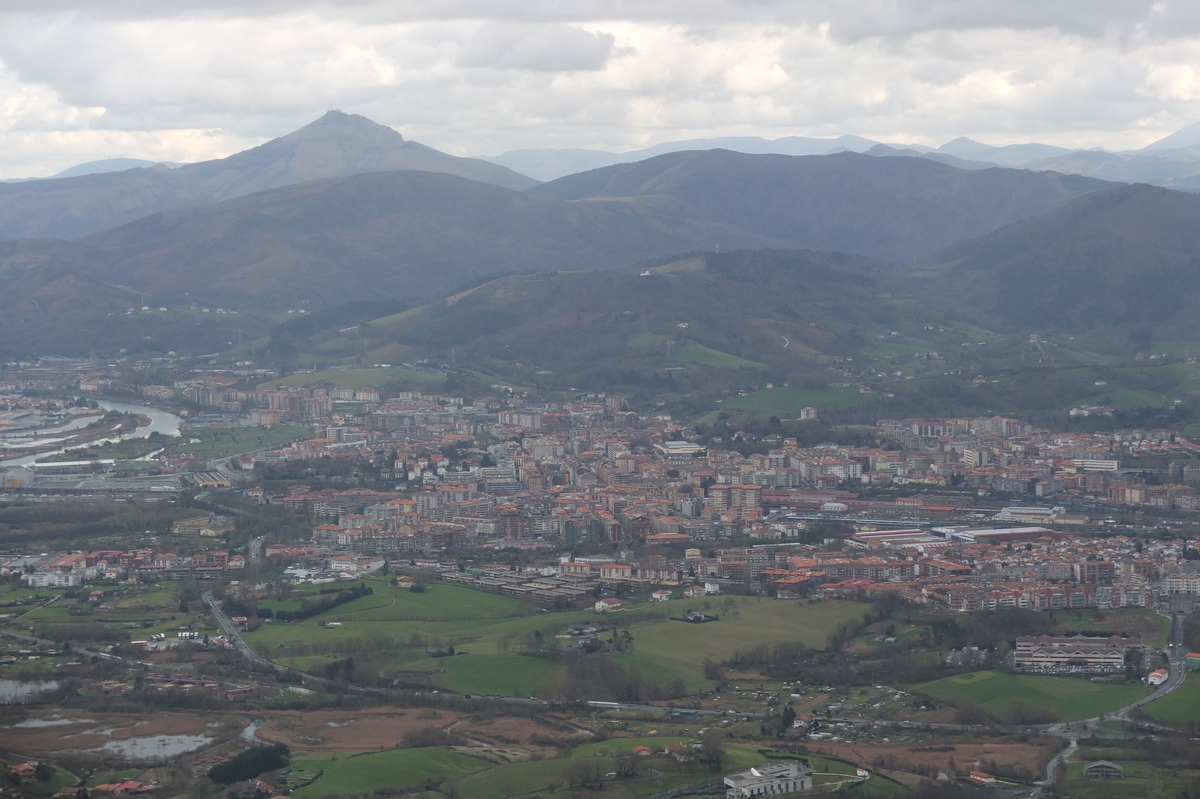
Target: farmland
{"points": [[492, 633], [394, 768], [1068, 698]]}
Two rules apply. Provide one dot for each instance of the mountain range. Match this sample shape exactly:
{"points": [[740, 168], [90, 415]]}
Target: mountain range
{"points": [[1173, 161], [345, 211]]}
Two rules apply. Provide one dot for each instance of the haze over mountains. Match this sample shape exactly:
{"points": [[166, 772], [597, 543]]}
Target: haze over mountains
{"points": [[1173, 161], [335, 145], [345, 210]]}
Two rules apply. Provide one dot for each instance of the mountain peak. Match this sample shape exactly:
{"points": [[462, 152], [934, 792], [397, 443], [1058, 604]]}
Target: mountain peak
{"points": [[339, 123]]}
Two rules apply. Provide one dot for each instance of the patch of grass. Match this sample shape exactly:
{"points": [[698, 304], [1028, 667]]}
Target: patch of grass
{"points": [[396, 768], [398, 317], [706, 356], [515, 779], [1126, 399], [1069, 698], [227, 443], [645, 341], [503, 675], [1141, 780], [788, 402], [1180, 706], [491, 629]]}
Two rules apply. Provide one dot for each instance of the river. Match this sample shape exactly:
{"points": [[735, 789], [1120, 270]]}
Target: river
{"points": [[161, 421]]}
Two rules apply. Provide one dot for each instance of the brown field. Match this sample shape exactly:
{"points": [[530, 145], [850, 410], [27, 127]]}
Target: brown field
{"points": [[509, 730], [965, 756], [97, 729], [350, 731]]}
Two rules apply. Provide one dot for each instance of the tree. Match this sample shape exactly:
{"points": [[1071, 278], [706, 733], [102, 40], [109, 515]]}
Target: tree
{"points": [[44, 772], [789, 717], [712, 749]]}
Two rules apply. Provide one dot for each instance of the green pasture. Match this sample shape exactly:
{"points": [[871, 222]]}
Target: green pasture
{"points": [[519, 779], [1141, 780], [1126, 399], [395, 768], [501, 675], [492, 629], [788, 402], [1180, 706], [227, 443], [645, 341], [706, 356], [1068, 697]]}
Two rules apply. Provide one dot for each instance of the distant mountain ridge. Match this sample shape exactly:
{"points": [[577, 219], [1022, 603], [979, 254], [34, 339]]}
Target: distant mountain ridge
{"points": [[335, 145], [1173, 161], [894, 208], [416, 234]]}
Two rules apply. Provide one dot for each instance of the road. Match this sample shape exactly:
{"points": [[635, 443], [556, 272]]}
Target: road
{"points": [[234, 635]]}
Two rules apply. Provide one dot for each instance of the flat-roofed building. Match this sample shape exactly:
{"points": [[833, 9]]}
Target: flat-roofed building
{"points": [[776, 778]]}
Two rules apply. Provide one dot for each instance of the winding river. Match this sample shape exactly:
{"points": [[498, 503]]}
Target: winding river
{"points": [[161, 421]]}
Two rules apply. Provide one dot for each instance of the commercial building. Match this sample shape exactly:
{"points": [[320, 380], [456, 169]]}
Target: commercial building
{"points": [[1077, 652], [776, 778]]}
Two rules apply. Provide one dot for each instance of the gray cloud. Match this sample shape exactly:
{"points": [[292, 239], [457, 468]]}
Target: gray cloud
{"points": [[191, 79], [553, 47]]}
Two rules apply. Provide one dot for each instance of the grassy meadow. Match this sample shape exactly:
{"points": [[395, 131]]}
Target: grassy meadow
{"points": [[489, 632], [1069, 698]]}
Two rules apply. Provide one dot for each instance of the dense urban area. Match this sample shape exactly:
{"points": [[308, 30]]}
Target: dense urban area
{"points": [[220, 579]]}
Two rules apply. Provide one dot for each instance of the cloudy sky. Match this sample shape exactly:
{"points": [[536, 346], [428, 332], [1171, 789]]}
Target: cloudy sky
{"points": [[187, 80]]}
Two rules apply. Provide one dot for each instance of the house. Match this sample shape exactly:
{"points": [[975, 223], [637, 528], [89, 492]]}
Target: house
{"points": [[786, 777], [1103, 770], [695, 616], [1193, 661], [695, 590], [660, 596], [712, 589], [681, 752], [643, 751], [1158, 677], [983, 779], [23, 770], [608, 605]]}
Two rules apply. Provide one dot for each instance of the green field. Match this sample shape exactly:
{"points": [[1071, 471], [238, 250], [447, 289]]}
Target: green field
{"points": [[1180, 706], [518, 779], [356, 378], [1069, 698], [395, 768], [227, 443], [788, 402], [706, 356], [645, 341], [1141, 780], [491, 629]]}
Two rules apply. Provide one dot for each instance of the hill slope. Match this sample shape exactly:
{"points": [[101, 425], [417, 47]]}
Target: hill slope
{"points": [[896, 208], [382, 234], [335, 145], [1128, 256]]}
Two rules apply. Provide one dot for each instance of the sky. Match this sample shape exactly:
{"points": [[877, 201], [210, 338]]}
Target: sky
{"points": [[188, 80]]}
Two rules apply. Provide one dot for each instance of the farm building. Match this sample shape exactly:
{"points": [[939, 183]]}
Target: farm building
{"points": [[1103, 770]]}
